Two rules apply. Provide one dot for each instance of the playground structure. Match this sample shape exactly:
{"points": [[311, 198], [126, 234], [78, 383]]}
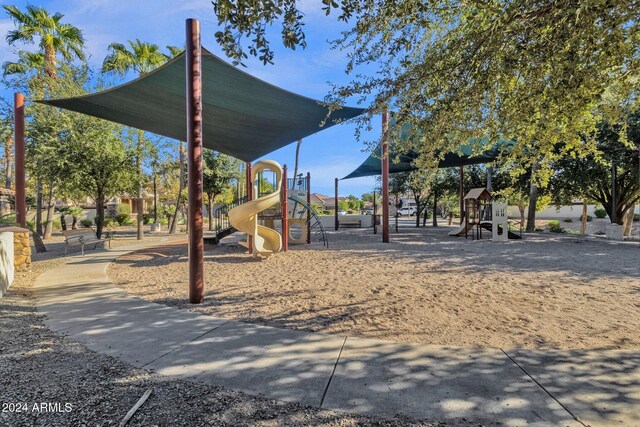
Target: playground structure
{"points": [[480, 213], [283, 206], [244, 217]]}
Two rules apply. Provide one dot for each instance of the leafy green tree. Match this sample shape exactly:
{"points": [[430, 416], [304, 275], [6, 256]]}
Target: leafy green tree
{"points": [[100, 163], [590, 177], [219, 171], [367, 197], [537, 72], [141, 58]]}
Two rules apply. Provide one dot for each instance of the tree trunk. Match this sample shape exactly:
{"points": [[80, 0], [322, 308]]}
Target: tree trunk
{"points": [[140, 202], [417, 199], [172, 228], [74, 222], [50, 61], [63, 220], [210, 210], [48, 229], [583, 225], [295, 169], [99, 213], [38, 243], [155, 198], [8, 154], [628, 220], [533, 199], [435, 208], [39, 206]]}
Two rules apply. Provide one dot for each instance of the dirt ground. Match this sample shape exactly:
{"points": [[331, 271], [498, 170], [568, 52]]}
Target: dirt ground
{"points": [[545, 291]]}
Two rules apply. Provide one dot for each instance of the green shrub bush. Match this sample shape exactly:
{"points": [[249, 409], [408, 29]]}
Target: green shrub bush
{"points": [[123, 217], [567, 220], [9, 219], [554, 227], [86, 222], [600, 213]]}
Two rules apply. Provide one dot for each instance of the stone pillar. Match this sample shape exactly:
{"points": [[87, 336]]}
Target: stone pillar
{"points": [[21, 250]]}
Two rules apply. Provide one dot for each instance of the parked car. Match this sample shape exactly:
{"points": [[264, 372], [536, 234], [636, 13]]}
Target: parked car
{"points": [[407, 210]]}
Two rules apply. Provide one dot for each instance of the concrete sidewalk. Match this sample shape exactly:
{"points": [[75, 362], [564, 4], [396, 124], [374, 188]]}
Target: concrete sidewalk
{"points": [[487, 386]]}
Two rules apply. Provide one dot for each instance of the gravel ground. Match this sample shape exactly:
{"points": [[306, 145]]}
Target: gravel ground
{"points": [[84, 388]]}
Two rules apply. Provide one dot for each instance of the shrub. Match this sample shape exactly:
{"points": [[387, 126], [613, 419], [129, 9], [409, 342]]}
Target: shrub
{"points": [[123, 217], [589, 218], [600, 212], [86, 222], [9, 219], [108, 221], [567, 220], [554, 227]]}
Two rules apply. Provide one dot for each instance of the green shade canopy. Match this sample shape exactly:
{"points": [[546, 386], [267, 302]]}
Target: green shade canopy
{"points": [[403, 162], [242, 116]]}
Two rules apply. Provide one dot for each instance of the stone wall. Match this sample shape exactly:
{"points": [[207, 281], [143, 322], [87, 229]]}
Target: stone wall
{"points": [[6, 261]]}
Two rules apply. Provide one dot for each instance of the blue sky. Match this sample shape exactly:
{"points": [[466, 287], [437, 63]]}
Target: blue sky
{"points": [[329, 154]]}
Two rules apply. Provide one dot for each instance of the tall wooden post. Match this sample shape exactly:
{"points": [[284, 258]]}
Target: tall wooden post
{"points": [[249, 198], [335, 200], [461, 194], [194, 149], [21, 200], [285, 210], [375, 214], [309, 203], [385, 176]]}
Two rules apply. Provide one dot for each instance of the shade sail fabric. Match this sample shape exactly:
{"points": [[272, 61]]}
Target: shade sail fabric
{"points": [[403, 162], [242, 116]]}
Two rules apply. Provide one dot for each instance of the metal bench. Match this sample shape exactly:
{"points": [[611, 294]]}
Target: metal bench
{"points": [[81, 238]]}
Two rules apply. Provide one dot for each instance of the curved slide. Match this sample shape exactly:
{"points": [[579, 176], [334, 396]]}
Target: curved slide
{"points": [[266, 241]]}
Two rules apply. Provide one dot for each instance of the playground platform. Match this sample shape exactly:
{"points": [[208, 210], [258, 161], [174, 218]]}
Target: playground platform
{"points": [[487, 386]]}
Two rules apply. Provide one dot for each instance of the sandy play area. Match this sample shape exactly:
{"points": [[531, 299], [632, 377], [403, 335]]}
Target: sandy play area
{"points": [[542, 292]]}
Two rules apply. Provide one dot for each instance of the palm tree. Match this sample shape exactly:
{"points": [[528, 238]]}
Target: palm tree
{"points": [[142, 58], [26, 61], [55, 36]]}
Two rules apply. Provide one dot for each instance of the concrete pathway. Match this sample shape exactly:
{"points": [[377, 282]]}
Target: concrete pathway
{"points": [[487, 386]]}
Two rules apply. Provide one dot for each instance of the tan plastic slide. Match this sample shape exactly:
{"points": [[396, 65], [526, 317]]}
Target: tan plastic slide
{"points": [[461, 230], [266, 241]]}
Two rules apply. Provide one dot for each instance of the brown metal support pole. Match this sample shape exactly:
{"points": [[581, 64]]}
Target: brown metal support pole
{"points": [[249, 198], [462, 214], [21, 200], [285, 210], [194, 148], [335, 200], [385, 176], [375, 214], [309, 203]]}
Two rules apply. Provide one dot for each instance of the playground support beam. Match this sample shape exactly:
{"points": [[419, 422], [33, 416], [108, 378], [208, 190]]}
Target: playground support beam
{"points": [[194, 148], [335, 200], [285, 210], [461, 194], [249, 198], [308, 211], [21, 201], [375, 213], [385, 176]]}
